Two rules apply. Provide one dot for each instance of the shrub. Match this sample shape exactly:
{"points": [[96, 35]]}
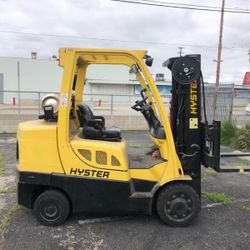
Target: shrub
{"points": [[228, 131], [238, 138], [244, 140]]}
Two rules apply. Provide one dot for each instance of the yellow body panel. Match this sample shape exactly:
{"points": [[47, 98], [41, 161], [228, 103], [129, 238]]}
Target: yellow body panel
{"points": [[115, 149], [38, 150], [160, 173], [75, 164]]}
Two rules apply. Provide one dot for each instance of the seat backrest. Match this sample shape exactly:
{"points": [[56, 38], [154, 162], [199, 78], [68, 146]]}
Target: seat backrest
{"points": [[84, 113]]}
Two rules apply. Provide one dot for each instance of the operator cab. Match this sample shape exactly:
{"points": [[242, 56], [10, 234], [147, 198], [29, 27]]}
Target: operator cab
{"points": [[90, 137]]}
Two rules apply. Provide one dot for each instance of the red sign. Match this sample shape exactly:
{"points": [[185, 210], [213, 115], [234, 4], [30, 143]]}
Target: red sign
{"points": [[246, 81], [33, 55]]}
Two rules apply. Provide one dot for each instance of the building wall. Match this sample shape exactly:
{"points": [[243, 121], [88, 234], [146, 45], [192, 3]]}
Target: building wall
{"points": [[108, 73], [1, 88], [36, 75], [242, 96]]}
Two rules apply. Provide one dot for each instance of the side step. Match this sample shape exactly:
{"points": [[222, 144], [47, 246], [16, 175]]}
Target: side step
{"points": [[138, 195]]}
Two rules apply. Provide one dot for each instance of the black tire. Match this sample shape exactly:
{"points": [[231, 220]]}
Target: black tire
{"points": [[178, 204], [52, 208]]}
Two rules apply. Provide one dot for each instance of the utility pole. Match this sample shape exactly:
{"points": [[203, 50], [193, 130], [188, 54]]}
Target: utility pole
{"points": [[180, 51], [217, 82]]}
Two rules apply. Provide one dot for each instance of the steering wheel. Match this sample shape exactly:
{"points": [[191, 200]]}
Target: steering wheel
{"points": [[138, 106]]}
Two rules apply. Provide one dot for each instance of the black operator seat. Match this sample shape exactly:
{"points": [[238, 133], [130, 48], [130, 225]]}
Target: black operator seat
{"points": [[93, 127]]}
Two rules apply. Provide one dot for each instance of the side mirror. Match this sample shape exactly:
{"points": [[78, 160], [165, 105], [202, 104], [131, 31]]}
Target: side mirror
{"points": [[149, 60], [134, 68]]}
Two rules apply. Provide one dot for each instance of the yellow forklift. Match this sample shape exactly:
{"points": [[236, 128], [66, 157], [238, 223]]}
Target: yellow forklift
{"points": [[69, 162]]}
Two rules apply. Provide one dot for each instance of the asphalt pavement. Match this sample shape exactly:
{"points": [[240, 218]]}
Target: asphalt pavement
{"points": [[218, 226]]}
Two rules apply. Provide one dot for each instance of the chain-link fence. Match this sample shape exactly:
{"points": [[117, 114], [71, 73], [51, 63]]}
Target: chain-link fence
{"points": [[224, 103], [241, 99], [28, 102], [231, 103]]}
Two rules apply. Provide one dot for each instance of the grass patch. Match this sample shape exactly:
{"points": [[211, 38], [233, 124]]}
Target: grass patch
{"points": [[1, 164], [224, 199], [8, 216], [218, 197], [207, 173], [7, 191], [245, 208]]}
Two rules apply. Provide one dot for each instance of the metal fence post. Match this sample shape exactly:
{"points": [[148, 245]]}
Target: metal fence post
{"points": [[112, 104], [231, 104], [39, 101], [18, 86]]}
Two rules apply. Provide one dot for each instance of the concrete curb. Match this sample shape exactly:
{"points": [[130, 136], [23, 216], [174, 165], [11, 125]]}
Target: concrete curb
{"points": [[9, 122]]}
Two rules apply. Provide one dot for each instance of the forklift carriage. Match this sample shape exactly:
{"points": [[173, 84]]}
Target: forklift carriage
{"points": [[69, 161]]}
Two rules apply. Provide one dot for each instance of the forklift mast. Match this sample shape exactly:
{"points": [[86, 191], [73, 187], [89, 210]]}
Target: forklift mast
{"points": [[196, 141]]}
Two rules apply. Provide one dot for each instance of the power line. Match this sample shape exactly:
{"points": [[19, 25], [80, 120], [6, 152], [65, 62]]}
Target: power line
{"points": [[116, 40], [194, 5], [186, 6], [101, 39]]}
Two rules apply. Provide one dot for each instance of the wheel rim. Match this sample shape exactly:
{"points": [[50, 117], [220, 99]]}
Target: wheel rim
{"points": [[50, 212], [179, 207]]}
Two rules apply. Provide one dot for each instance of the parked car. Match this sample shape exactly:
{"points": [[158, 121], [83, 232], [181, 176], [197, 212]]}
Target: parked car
{"points": [[247, 108]]}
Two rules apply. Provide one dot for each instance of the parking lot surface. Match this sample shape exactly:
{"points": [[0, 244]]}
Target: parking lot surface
{"points": [[218, 226]]}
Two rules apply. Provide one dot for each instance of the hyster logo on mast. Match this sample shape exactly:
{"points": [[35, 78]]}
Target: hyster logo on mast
{"points": [[193, 98]]}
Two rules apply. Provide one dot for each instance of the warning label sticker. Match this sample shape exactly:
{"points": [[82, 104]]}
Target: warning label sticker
{"points": [[64, 99], [193, 123]]}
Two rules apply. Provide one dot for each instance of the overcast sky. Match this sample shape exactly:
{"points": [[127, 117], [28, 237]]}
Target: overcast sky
{"points": [[104, 22]]}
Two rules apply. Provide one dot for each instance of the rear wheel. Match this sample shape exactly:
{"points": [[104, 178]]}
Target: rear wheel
{"points": [[178, 204], [52, 208]]}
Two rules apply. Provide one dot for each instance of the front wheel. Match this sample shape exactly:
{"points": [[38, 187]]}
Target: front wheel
{"points": [[51, 208], [178, 204]]}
